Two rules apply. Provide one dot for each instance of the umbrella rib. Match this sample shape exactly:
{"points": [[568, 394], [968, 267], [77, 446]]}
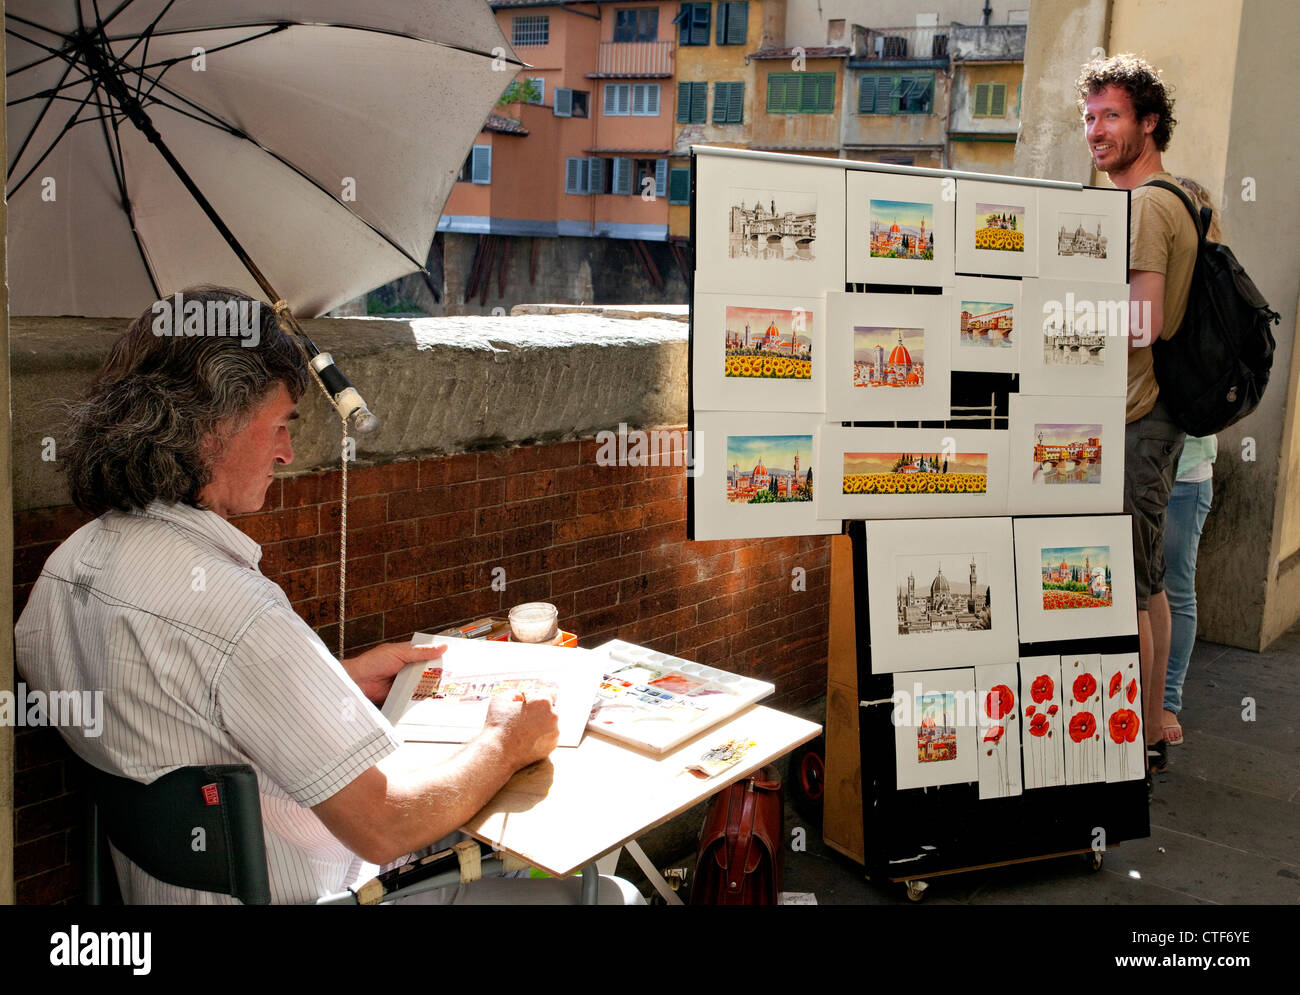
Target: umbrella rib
{"points": [[40, 117], [118, 162], [67, 126]]}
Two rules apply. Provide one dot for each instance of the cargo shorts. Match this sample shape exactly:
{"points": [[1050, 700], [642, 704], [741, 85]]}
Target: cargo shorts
{"points": [[1152, 445]]}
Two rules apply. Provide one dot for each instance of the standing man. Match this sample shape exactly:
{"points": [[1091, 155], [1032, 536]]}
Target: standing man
{"points": [[1128, 121]]}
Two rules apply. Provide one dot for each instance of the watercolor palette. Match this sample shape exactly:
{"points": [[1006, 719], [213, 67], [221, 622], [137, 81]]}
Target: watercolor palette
{"points": [[656, 701]]}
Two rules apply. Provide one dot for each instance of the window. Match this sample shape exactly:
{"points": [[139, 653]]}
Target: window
{"points": [[801, 93], [883, 93], [679, 186], [692, 103], [990, 100], [530, 30], [618, 99], [570, 103], [622, 179], [478, 166], [650, 174], [637, 99], [733, 23], [586, 175], [728, 103], [693, 24], [636, 24], [645, 99]]}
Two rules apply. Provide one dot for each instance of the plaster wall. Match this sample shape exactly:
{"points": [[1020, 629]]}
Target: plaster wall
{"points": [[1061, 37], [1194, 45]]}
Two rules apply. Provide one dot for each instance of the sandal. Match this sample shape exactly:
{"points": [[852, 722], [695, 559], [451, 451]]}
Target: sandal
{"points": [[1173, 734], [1157, 761]]}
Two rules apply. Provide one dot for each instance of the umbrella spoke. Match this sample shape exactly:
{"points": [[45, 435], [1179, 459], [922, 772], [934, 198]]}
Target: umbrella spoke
{"points": [[40, 117], [118, 163], [67, 126]]}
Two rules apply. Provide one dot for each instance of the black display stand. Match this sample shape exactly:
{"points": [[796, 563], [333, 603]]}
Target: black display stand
{"points": [[917, 833]]}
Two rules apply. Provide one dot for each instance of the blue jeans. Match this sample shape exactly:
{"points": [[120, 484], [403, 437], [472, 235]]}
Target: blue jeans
{"points": [[1189, 504]]}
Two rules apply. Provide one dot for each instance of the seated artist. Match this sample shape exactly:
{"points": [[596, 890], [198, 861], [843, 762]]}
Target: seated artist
{"points": [[159, 604]]}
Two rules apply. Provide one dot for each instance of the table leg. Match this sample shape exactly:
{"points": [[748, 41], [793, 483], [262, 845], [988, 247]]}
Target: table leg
{"points": [[590, 885], [652, 872]]}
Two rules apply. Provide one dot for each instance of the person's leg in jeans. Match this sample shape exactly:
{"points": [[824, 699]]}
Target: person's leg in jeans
{"points": [[1188, 507]]}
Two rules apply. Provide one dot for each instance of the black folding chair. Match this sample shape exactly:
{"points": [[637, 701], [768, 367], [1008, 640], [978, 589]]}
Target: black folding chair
{"points": [[197, 827]]}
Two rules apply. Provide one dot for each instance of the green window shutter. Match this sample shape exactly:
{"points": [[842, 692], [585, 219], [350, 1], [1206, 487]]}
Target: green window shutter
{"points": [[895, 92], [563, 102], [793, 92], [571, 175], [982, 99], [867, 95], [683, 103], [700, 103], [721, 92], [736, 104], [998, 105], [661, 177], [596, 179], [733, 23], [824, 102], [775, 94], [679, 186]]}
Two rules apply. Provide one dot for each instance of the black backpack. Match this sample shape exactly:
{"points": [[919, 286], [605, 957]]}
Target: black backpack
{"points": [[1213, 372]]}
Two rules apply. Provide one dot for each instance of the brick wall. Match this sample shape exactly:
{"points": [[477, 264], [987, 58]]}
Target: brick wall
{"points": [[606, 545]]}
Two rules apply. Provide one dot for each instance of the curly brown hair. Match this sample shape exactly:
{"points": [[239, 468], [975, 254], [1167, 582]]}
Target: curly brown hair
{"points": [[1142, 82], [164, 404]]}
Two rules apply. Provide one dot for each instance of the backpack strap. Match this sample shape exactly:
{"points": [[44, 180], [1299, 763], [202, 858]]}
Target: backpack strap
{"points": [[1201, 218]]}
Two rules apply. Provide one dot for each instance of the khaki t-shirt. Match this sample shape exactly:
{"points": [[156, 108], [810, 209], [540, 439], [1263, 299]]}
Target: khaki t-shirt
{"points": [[1162, 239]]}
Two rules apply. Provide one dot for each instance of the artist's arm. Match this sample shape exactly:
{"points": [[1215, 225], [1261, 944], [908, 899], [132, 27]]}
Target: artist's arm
{"points": [[400, 805], [1146, 318]]}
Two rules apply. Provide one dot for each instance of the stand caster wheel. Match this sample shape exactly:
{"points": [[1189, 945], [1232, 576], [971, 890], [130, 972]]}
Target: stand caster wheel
{"points": [[1094, 860], [916, 890]]}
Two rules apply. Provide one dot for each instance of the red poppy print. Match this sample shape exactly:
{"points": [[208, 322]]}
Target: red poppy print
{"points": [[1053, 710], [1030, 709], [999, 702], [1042, 688], [1124, 726], [994, 735], [1038, 725], [1082, 726], [1132, 690], [1115, 683], [1085, 686]]}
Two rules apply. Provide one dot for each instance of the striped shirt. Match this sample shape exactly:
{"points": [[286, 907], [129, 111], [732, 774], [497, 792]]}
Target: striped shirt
{"points": [[202, 660]]}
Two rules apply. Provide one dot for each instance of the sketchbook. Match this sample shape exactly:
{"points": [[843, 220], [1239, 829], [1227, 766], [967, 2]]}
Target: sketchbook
{"points": [[446, 700], [657, 702]]}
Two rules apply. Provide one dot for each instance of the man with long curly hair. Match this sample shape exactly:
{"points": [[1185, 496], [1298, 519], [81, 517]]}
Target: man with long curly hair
{"points": [[1128, 121], [159, 604]]}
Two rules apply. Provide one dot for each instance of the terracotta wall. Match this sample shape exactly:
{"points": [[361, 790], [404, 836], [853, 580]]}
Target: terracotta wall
{"points": [[606, 545]]}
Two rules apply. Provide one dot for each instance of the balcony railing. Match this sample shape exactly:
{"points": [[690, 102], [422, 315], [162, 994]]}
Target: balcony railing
{"points": [[635, 58], [898, 44]]}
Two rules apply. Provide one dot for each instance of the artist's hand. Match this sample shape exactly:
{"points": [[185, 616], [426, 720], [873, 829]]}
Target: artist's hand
{"points": [[526, 727], [374, 670]]}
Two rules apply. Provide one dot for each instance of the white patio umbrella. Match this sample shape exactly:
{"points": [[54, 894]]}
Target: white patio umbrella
{"points": [[324, 134]]}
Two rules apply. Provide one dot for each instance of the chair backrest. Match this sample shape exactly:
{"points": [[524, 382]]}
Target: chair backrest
{"points": [[196, 827]]}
